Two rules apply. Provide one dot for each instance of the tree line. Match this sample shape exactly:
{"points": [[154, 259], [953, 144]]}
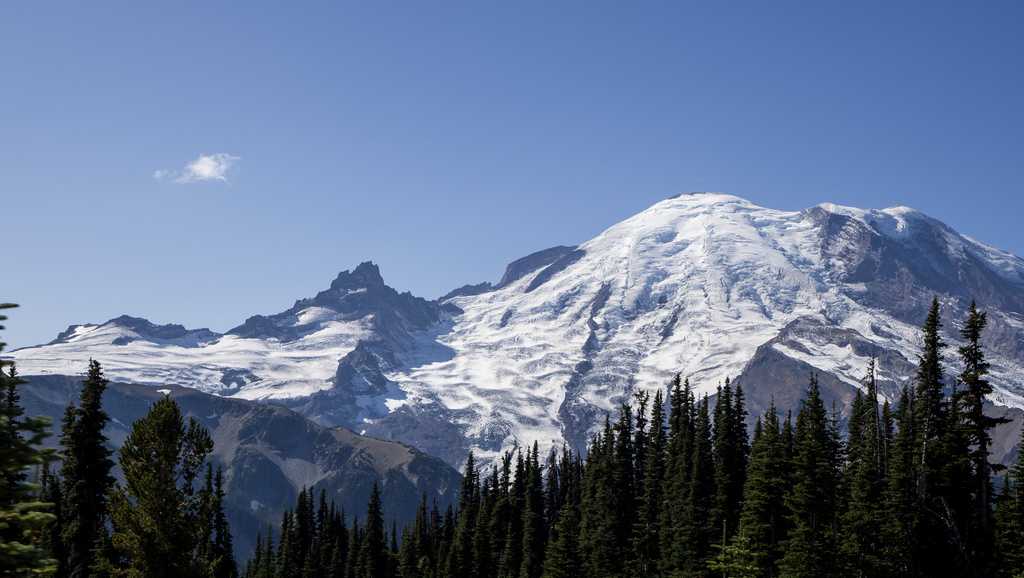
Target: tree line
{"points": [[675, 485], [76, 521]]}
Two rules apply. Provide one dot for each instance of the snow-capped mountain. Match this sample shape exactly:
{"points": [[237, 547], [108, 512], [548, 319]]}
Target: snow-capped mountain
{"points": [[709, 285]]}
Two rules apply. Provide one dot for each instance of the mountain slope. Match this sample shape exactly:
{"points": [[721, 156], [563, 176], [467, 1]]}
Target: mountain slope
{"points": [[270, 453], [706, 284], [698, 284]]}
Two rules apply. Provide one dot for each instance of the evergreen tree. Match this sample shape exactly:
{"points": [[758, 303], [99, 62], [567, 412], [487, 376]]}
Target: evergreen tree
{"points": [[1009, 520], [24, 519], [901, 518], [647, 530], [414, 554], [460, 562], [50, 493], [156, 513], [639, 443], [286, 559], [269, 566], [623, 465], [937, 541], [699, 531], [355, 551], [861, 540], [977, 425], [483, 553], [682, 418], [762, 520], [563, 554], [86, 475], [223, 550], [599, 546], [812, 499], [563, 557], [730, 459], [534, 536], [373, 560]]}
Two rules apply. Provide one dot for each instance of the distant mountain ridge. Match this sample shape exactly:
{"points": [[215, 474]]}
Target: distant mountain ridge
{"points": [[706, 284]]}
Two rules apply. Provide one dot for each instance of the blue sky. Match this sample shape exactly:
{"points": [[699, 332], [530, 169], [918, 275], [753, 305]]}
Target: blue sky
{"points": [[444, 139]]}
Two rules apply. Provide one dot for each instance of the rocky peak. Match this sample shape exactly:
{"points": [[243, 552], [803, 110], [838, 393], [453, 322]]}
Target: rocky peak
{"points": [[366, 275]]}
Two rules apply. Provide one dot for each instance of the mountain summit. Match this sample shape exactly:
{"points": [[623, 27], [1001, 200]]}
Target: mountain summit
{"points": [[706, 284]]}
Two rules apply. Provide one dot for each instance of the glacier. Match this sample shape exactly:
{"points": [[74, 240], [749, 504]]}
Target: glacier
{"points": [[708, 285]]}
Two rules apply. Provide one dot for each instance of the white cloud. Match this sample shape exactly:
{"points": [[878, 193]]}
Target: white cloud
{"points": [[205, 168]]}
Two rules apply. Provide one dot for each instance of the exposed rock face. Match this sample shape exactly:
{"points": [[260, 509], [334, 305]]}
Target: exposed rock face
{"points": [[709, 285], [270, 453]]}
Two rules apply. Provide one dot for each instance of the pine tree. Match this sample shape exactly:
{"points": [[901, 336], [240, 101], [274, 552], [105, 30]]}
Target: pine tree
{"points": [[373, 560], [762, 521], [269, 564], [563, 557], [415, 548], [1009, 520], [599, 547], [86, 475], [24, 519], [355, 551], [483, 554], [204, 548], [647, 530], [286, 559], [699, 531], [938, 543], [156, 512], [812, 498], [901, 516], [460, 561], [50, 493], [623, 464], [730, 459], [977, 426], [563, 554], [861, 539], [534, 536], [254, 563], [682, 418], [223, 547]]}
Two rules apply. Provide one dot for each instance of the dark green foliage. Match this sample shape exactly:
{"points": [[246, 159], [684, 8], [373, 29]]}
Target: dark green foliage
{"points": [[374, 556], [976, 426], [1009, 522], [157, 516], [25, 518], [221, 550], [647, 529], [599, 549], [812, 500], [861, 540], [314, 542], [763, 523], [563, 555], [86, 476], [699, 529], [730, 455], [534, 526], [682, 416], [900, 521], [461, 556]]}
